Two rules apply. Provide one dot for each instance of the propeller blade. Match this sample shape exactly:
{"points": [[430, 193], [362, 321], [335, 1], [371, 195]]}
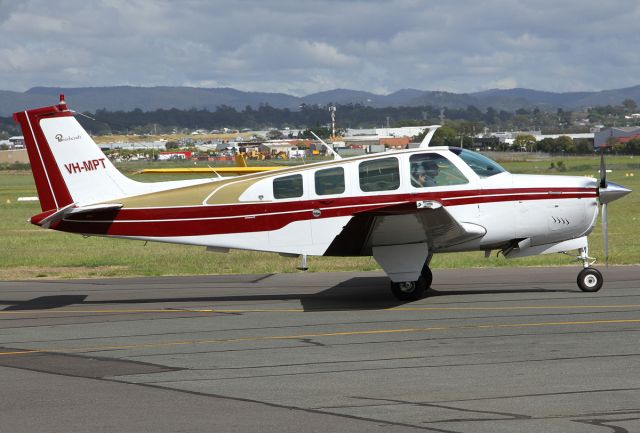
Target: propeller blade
{"points": [[603, 170], [605, 234]]}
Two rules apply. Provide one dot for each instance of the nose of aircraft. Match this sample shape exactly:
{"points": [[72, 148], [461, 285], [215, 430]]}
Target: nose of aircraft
{"points": [[612, 192]]}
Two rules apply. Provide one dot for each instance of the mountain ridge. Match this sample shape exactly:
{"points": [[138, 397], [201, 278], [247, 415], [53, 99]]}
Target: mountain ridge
{"points": [[127, 98]]}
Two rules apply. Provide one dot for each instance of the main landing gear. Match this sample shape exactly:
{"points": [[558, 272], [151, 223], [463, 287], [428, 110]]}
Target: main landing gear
{"points": [[414, 290], [589, 279]]}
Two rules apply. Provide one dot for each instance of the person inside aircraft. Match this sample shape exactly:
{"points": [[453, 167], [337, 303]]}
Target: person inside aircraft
{"points": [[424, 174]]}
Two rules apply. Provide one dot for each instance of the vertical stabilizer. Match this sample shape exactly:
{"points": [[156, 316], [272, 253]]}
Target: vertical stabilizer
{"points": [[68, 166]]}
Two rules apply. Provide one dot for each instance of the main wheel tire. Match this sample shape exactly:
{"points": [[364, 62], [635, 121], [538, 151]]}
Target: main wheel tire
{"points": [[590, 280], [409, 290], [427, 275]]}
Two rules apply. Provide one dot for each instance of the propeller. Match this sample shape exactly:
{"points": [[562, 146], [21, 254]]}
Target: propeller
{"points": [[607, 192], [603, 170], [603, 204]]}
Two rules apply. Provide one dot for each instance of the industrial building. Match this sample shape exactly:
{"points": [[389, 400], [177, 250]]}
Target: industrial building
{"points": [[602, 138]]}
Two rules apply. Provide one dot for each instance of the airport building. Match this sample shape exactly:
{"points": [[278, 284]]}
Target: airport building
{"points": [[14, 156], [602, 138]]}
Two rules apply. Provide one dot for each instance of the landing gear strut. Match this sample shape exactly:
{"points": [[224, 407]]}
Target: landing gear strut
{"points": [[589, 279], [414, 290]]}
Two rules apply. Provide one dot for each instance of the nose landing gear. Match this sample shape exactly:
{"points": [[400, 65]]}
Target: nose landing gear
{"points": [[589, 279]]}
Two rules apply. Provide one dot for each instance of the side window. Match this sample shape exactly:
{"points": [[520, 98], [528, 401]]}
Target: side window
{"points": [[329, 181], [379, 175], [432, 169], [288, 186]]}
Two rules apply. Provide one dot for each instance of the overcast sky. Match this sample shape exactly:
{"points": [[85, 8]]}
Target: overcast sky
{"points": [[301, 47]]}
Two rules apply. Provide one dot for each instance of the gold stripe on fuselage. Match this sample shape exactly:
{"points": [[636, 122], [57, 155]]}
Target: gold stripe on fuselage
{"points": [[229, 190], [212, 170]]}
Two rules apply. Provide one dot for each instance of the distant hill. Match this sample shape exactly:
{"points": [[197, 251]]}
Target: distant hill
{"points": [[127, 98], [341, 96]]}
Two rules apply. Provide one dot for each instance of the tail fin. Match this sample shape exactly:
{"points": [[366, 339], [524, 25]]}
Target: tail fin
{"points": [[67, 165]]}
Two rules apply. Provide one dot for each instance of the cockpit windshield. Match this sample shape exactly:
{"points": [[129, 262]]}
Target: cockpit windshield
{"points": [[483, 166]]}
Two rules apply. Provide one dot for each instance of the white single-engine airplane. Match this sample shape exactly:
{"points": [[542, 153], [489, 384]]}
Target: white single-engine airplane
{"points": [[399, 207]]}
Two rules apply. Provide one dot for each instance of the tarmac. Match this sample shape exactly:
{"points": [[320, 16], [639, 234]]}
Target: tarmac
{"points": [[489, 350]]}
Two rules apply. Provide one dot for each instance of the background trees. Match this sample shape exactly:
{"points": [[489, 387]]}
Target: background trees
{"points": [[460, 124], [525, 142]]}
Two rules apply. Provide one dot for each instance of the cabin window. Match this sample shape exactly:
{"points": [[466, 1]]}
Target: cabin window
{"points": [[329, 181], [288, 186], [379, 175], [432, 169]]}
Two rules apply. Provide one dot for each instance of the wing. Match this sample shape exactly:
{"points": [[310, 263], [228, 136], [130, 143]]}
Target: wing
{"points": [[403, 224], [401, 237]]}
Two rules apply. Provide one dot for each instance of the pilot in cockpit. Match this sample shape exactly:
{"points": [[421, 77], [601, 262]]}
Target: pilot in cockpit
{"points": [[424, 174]]}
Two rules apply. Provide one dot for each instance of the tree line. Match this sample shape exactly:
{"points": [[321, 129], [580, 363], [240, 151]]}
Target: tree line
{"points": [[310, 116], [451, 136], [461, 124]]}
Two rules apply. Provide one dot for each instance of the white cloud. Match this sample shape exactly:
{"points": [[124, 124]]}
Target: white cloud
{"points": [[303, 46], [504, 83]]}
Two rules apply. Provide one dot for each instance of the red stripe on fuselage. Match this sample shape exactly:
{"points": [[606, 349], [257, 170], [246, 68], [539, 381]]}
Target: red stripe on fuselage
{"points": [[254, 217]]}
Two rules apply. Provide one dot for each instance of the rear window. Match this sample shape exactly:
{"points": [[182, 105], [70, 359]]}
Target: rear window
{"points": [[379, 175], [288, 186]]}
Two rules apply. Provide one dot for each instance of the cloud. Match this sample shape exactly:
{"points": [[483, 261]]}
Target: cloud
{"points": [[305, 46]]}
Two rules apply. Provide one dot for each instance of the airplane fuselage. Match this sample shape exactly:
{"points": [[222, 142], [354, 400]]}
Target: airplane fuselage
{"points": [[246, 212]]}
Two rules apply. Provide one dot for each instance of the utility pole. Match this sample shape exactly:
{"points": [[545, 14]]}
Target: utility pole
{"points": [[332, 110]]}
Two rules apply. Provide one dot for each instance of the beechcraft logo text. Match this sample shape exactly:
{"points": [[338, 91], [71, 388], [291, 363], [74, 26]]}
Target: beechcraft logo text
{"points": [[60, 138]]}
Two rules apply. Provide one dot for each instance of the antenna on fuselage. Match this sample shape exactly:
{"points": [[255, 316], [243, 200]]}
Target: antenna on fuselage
{"points": [[329, 148], [427, 138]]}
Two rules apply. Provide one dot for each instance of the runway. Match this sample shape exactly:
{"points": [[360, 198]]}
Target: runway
{"points": [[489, 350]]}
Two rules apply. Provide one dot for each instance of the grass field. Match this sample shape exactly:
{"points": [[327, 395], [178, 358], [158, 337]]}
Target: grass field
{"points": [[31, 252]]}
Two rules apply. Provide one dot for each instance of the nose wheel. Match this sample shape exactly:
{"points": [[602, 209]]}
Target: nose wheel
{"points": [[590, 280]]}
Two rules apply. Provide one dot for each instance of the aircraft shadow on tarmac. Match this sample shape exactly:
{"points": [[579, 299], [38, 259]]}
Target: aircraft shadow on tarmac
{"points": [[360, 293], [44, 302]]}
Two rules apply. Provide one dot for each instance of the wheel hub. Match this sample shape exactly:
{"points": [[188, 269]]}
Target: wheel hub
{"points": [[407, 286], [590, 280]]}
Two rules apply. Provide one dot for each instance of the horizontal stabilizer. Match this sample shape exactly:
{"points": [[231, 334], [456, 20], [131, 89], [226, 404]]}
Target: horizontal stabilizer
{"points": [[96, 208], [52, 217], [71, 210]]}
